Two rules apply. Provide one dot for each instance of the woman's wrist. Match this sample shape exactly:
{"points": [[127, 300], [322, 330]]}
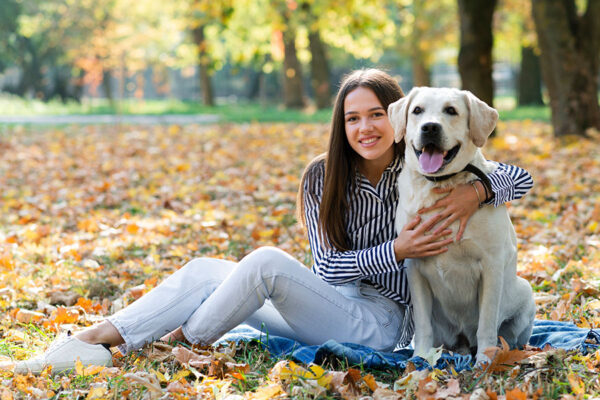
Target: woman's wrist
{"points": [[480, 191]]}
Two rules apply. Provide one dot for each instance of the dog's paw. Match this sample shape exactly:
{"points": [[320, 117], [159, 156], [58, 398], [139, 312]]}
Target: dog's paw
{"points": [[482, 361]]}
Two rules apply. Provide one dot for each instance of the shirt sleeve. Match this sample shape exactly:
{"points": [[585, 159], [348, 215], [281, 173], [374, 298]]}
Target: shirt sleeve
{"points": [[508, 183], [338, 267]]}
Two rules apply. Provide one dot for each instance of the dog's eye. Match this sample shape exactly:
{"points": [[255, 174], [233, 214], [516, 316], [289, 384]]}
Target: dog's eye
{"points": [[417, 110], [450, 110]]}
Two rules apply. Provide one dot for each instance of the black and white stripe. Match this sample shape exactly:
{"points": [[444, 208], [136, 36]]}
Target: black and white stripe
{"points": [[371, 230]]}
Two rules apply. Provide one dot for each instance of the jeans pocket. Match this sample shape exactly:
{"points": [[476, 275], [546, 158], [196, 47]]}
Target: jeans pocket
{"points": [[387, 308]]}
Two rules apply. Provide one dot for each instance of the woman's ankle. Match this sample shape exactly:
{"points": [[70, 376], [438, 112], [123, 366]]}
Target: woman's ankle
{"points": [[103, 333]]}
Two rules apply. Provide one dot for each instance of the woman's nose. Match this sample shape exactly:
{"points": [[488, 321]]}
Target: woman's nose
{"points": [[365, 125]]}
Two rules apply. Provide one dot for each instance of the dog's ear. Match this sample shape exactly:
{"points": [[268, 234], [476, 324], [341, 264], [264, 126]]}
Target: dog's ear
{"points": [[482, 119], [398, 115]]}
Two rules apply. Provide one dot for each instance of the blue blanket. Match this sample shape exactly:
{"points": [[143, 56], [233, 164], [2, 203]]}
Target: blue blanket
{"points": [[557, 334]]}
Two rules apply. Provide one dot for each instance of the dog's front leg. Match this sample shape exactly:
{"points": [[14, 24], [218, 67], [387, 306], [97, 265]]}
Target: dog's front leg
{"points": [[490, 293], [421, 296]]}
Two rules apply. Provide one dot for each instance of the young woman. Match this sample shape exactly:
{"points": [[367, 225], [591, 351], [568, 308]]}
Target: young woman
{"points": [[357, 290]]}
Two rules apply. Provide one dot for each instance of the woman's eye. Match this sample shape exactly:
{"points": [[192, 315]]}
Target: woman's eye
{"points": [[450, 110], [378, 114], [417, 110], [351, 119]]}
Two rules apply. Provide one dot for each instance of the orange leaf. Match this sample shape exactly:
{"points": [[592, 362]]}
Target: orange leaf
{"points": [[64, 315], [504, 358], [132, 228], [370, 381], [576, 383], [84, 303], [516, 394], [6, 261]]}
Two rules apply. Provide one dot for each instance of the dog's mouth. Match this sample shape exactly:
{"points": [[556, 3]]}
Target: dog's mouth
{"points": [[432, 159]]}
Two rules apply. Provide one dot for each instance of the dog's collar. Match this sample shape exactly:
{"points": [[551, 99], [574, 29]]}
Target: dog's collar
{"points": [[469, 168]]}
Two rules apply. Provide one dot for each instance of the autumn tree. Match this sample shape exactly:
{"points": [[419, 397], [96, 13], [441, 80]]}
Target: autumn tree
{"points": [[285, 33], [204, 13], [319, 63], [475, 61], [424, 29], [570, 52], [33, 37], [516, 42]]}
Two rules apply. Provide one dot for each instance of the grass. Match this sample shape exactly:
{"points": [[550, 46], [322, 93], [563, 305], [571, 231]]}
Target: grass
{"points": [[236, 113]]}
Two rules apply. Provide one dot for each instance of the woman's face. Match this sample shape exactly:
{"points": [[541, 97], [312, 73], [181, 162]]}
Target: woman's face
{"points": [[368, 128]]}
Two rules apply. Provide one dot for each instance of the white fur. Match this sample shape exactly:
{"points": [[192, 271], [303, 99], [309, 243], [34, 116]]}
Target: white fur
{"points": [[472, 289]]}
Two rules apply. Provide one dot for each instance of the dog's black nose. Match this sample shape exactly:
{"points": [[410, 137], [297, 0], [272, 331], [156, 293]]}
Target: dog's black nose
{"points": [[431, 128]]}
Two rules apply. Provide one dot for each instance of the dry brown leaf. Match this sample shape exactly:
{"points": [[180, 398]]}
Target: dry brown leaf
{"points": [[503, 358], [516, 394], [385, 394]]}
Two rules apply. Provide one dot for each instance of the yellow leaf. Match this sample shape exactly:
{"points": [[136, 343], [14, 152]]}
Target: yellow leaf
{"points": [[78, 367], [93, 370], [592, 226], [95, 393], [161, 377], [181, 374], [576, 383], [266, 392]]}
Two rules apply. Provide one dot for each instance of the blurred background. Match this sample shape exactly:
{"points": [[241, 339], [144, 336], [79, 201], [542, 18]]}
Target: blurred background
{"points": [[262, 58]]}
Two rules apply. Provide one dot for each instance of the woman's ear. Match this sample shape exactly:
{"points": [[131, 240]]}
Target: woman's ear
{"points": [[482, 119], [398, 115]]}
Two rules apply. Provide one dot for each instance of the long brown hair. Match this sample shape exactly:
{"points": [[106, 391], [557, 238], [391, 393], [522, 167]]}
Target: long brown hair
{"points": [[341, 161]]}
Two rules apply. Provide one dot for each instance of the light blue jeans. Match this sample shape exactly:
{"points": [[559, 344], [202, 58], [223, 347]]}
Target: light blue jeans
{"points": [[269, 290]]}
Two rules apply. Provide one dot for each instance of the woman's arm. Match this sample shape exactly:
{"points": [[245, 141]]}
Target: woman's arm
{"points": [[509, 182], [338, 267]]}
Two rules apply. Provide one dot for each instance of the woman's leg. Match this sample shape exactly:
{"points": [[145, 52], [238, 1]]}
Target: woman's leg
{"points": [[164, 308], [301, 306]]}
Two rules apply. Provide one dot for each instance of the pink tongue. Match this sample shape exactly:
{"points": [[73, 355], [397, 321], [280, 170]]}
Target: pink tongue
{"points": [[431, 162]]}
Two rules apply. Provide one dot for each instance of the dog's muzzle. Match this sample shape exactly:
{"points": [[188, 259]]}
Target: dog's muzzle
{"points": [[430, 153]]}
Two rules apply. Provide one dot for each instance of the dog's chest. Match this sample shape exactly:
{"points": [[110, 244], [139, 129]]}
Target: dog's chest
{"points": [[445, 275]]}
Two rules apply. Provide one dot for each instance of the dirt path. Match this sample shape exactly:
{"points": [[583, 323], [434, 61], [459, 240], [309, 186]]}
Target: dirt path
{"points": [[110, 119]]}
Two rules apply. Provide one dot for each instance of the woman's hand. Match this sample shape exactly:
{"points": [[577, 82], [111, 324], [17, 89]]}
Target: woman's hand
{"points": [[460, 204], [417, 241]]}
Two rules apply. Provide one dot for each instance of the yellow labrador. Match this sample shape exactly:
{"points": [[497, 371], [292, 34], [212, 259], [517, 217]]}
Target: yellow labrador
{"points": [[465, 298]]}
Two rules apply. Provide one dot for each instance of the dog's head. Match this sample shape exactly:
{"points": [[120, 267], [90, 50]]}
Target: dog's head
{"points": [[442, 128]]}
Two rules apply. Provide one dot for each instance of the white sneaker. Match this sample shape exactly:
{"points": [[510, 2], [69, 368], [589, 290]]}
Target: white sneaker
{"points": [[62, 355]]}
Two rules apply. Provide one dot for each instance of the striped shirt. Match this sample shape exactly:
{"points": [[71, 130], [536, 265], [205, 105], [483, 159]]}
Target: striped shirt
{"points": [[371, 231]]}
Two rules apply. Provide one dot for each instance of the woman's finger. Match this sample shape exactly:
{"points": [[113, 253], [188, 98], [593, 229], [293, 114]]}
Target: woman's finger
{"points": [[440, 190], [461, 229], [430, 223], [410, 225], [438, 204], [447, 222]]}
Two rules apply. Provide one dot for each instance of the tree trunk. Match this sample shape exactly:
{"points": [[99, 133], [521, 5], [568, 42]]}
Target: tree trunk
{"points": [[420, 71], [530, 79], [475, 62], [293, 96], [107, 87], [319, 68], [203, 66], [570, 58]]}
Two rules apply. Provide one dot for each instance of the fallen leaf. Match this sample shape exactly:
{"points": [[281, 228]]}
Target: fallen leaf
{"points": [[503, 358]]}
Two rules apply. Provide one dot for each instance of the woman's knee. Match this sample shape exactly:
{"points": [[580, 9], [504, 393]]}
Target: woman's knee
{"points": [[265, 259], [207, 267]]}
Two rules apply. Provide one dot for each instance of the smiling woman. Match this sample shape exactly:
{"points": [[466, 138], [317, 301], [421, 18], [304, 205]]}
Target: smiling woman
{"points": [[357, 289], [369, 132]]}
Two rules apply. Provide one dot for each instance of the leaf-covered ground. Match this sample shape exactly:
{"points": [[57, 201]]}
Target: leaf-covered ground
{"points": [[93, 217]]}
